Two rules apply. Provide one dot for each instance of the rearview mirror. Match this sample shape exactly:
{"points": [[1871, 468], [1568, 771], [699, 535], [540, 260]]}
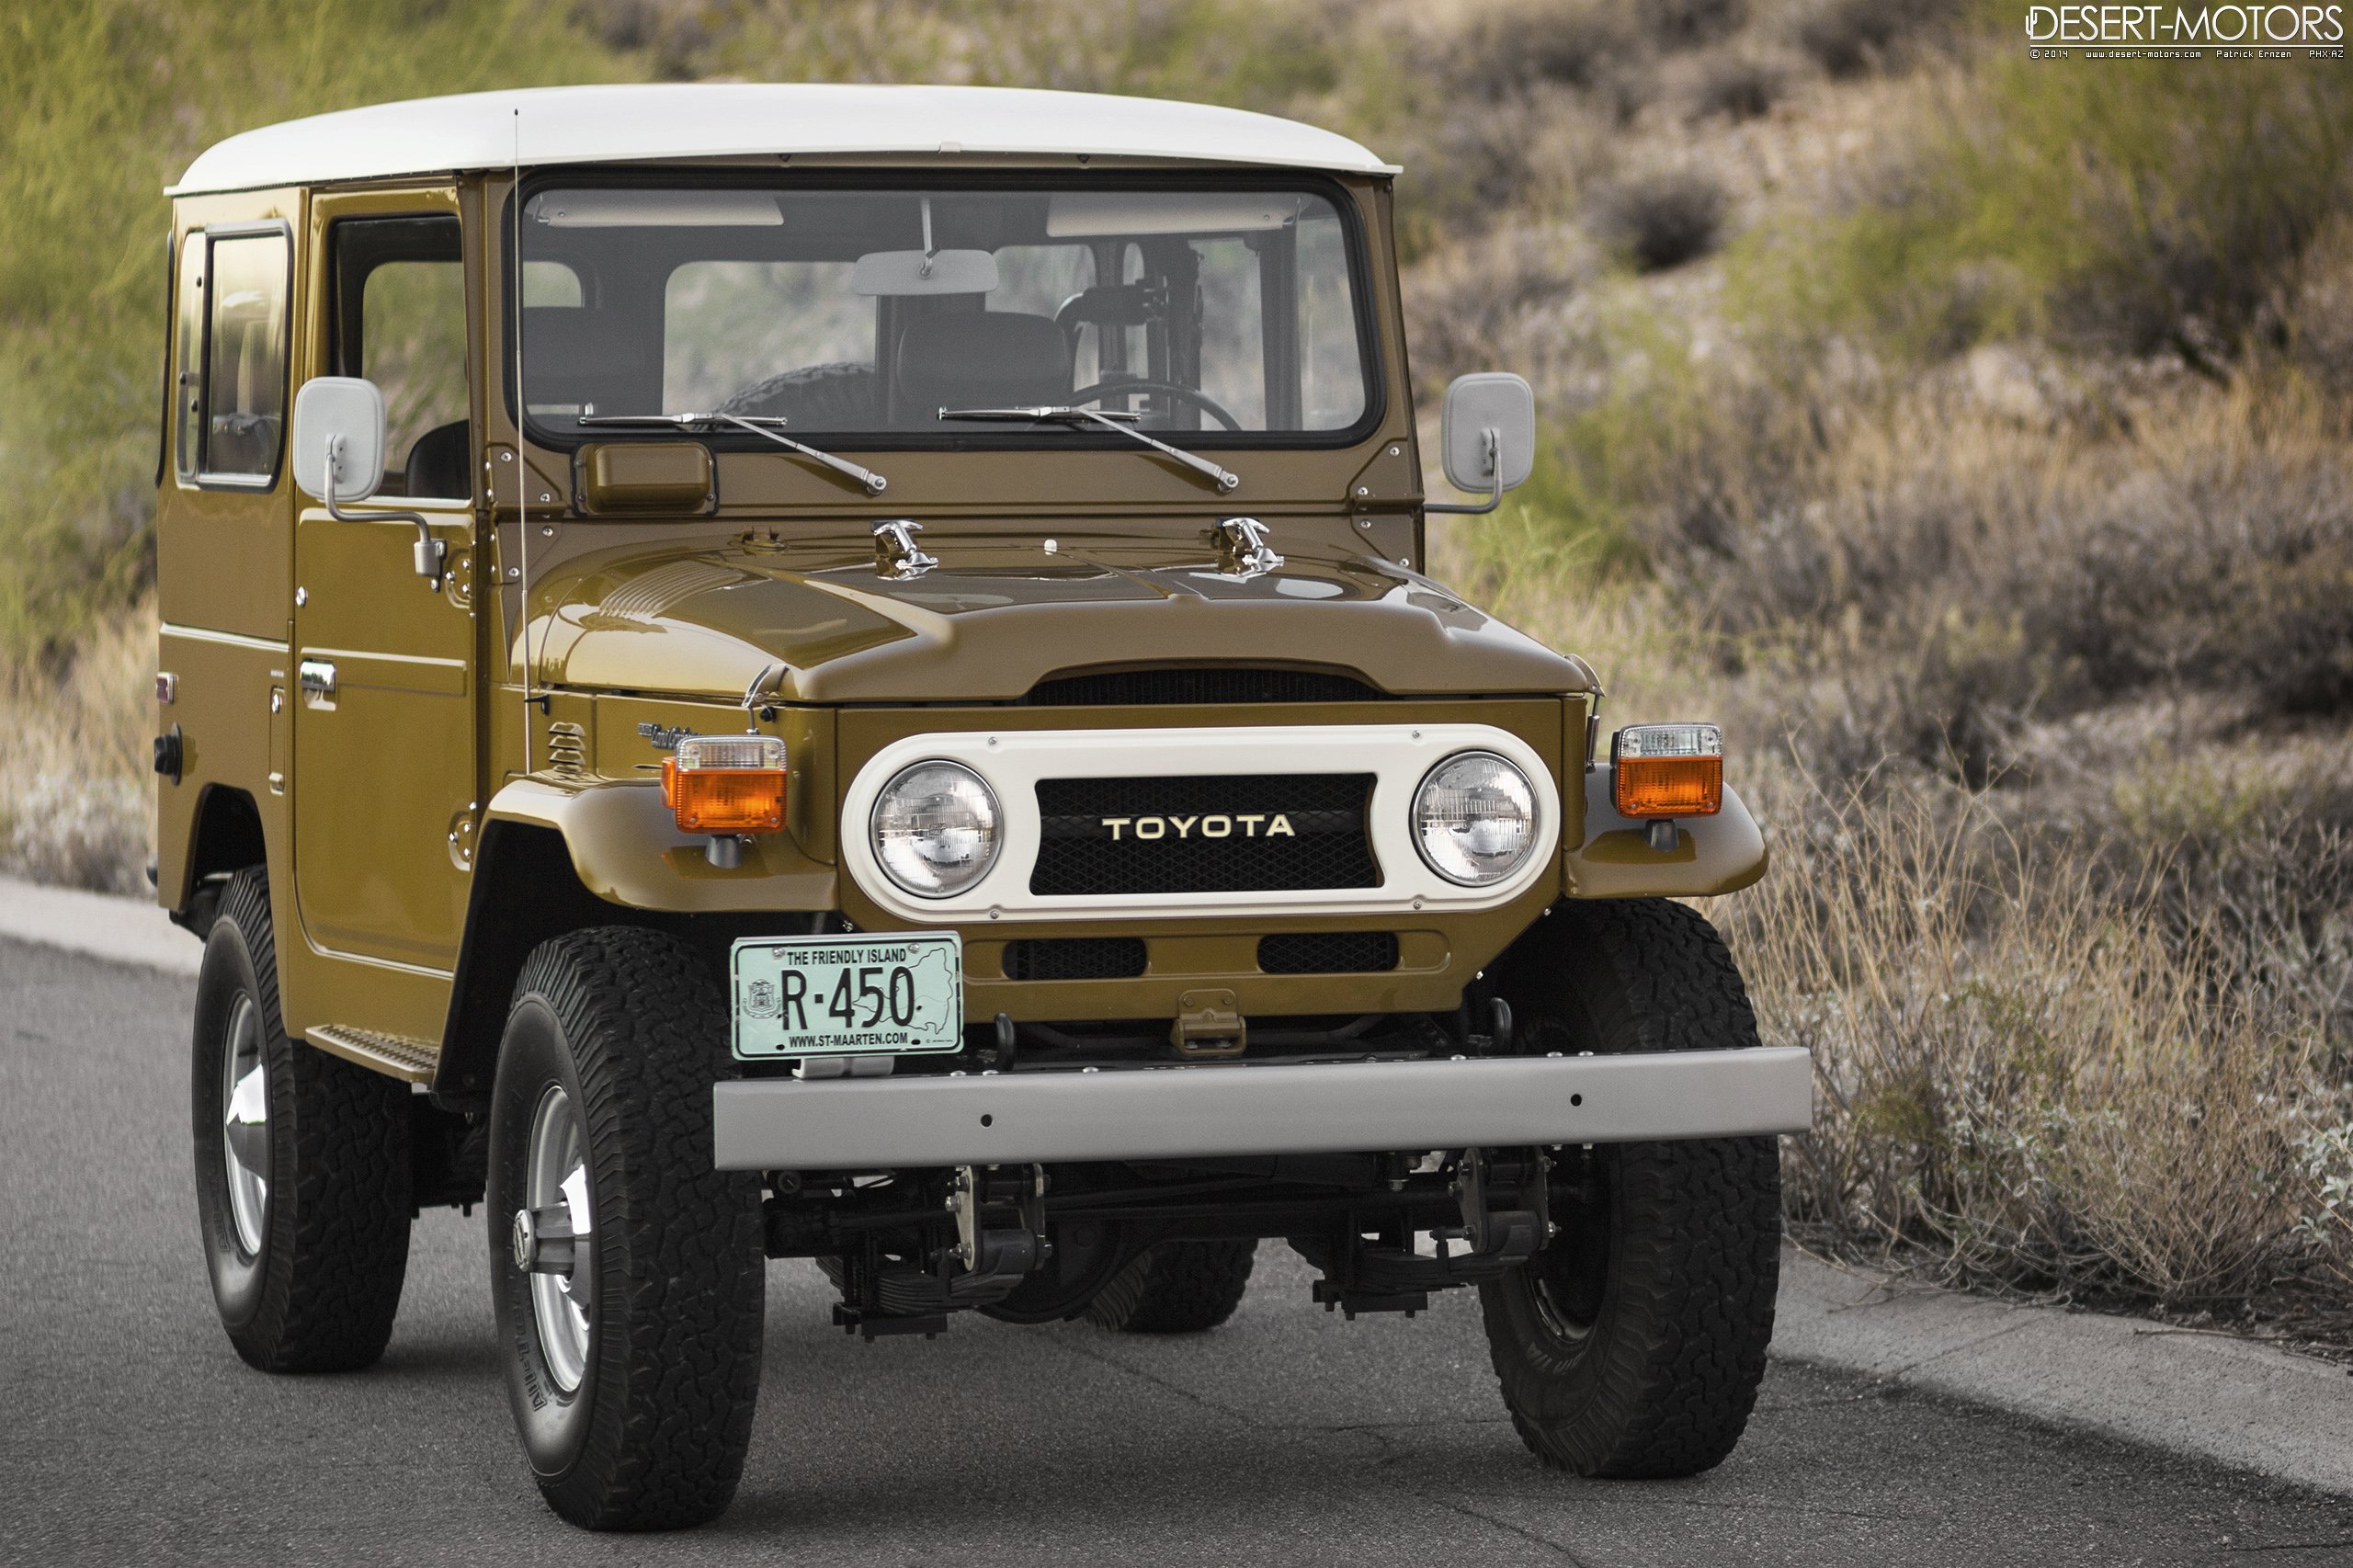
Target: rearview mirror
{"points": [[1487, 437], [339, 421], [902, 272]]}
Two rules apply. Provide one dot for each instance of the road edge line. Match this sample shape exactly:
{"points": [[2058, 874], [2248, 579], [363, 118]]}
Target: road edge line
{"points": [[2210, 1396], [104, 925]]}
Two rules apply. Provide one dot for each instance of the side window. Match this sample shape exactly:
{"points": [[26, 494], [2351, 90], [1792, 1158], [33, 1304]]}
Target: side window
{"points": [[187, 361], [400, 320], [244, 394]]}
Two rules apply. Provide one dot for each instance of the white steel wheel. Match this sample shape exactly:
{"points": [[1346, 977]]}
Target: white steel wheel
{"points": [[556, 1177], [245, 1124]]}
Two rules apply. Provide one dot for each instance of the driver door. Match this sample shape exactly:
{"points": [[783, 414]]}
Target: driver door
{"points": [[384, 775]]}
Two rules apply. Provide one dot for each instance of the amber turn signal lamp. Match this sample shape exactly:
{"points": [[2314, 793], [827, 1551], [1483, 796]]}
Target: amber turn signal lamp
{"points": [[1668, 770], [725, 784]]}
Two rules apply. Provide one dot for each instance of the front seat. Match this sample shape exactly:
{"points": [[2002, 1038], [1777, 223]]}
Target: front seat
{"points": [[978, 359], [438, 464]]}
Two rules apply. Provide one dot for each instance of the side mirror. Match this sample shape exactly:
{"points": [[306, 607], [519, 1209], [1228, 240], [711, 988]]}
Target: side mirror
{"points": [[1487, 437], [339, 456], [339, 432]]}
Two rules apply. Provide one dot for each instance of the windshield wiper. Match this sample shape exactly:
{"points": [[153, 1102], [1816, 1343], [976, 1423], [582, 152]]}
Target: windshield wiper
{"points": [[758, 424], [1124, 422]]}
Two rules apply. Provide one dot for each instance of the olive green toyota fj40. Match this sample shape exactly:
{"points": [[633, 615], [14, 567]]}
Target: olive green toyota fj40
{"points": [[846, 673]]}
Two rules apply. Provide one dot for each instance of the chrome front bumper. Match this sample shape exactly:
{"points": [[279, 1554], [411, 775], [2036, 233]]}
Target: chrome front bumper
{"points": [[1196, 1111]]}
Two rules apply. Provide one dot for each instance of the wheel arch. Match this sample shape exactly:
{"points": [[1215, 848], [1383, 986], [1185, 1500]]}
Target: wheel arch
{"points": [[525, 892], [225, 836], [533, 881]]}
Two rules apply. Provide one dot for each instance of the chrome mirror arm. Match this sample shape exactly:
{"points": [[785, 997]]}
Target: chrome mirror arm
{"points": [[430, 554], [1492, 439]]}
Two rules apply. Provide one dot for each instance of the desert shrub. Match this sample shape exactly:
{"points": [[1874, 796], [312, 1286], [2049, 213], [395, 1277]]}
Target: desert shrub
{"points": [[1503, 301], [2135, 210], [1846, 37], [2020, 1077], [102, 104], [1660, 219], [1738, 85], [1508, 48], [1682, 24]]}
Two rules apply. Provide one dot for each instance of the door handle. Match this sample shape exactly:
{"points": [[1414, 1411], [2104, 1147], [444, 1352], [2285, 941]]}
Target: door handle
{"points": [[316, 678]]}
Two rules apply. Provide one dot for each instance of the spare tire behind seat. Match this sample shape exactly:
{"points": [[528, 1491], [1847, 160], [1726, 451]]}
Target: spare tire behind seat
{"points": [[838, 396]]}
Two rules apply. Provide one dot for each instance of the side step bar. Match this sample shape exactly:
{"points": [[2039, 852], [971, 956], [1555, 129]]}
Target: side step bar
{"points": [[1198, 1110], [397, 1056]]}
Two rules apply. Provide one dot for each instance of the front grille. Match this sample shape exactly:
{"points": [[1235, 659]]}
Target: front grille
{"points": [[1329, 952], [1198, 688], [1244, 833], [1075, 957]]}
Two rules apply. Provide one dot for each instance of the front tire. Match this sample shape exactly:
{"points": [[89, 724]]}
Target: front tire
{"points": [[302, 1165], [634, 1368], [1633, 1344]]}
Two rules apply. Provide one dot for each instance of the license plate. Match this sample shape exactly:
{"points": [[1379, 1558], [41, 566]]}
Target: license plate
{"points": [[848, 996]]}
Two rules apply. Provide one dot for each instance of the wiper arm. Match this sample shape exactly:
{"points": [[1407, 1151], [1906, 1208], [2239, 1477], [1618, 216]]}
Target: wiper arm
{"points": [[1124, 423], [758, 424]]}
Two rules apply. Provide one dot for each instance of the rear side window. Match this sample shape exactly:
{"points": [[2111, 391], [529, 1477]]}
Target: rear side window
{"points": [[230, 379]]}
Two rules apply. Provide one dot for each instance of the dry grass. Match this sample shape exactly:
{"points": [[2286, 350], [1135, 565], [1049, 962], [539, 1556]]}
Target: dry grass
{"points": [[2024, 1074], [76, 781]]}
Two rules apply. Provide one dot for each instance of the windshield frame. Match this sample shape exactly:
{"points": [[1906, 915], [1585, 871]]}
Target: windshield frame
{"points": [[935, 177]]}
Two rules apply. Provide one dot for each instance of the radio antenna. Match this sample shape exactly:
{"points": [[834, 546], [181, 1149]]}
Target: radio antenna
{"points": [[522, 448]]}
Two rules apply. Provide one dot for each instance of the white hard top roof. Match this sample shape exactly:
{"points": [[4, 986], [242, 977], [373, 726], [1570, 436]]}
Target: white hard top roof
{"points": [[636, 124]]}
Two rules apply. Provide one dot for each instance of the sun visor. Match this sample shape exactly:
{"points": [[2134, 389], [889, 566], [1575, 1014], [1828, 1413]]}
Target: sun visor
{"points": [[1082, 214]]}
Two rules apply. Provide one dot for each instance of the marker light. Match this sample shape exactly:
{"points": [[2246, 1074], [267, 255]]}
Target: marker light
{"points": [[725, 783], [1670, 770]]}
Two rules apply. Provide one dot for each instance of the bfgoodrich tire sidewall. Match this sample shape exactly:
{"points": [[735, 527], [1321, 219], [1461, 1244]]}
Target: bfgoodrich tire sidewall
{"points": [[555, 1425]]}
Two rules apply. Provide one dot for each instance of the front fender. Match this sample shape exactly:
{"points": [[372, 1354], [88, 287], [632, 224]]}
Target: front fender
{"points": [[627, 849], [1712, 855]]}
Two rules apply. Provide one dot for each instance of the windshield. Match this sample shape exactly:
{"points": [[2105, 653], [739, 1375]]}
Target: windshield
{"points": [[1233, 312]]}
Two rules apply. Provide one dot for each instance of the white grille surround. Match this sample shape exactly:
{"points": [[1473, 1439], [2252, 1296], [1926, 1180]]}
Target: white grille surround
{"points": [[1014, 761]]}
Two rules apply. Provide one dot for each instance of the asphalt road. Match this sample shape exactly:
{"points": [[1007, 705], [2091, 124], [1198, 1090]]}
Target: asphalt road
{"points": [[130, 1432]]}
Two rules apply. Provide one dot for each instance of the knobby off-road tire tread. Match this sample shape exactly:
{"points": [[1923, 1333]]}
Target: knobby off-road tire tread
{"points": [[1176, 1288], [1700, 1254], [336, 1248], [644, 1021]]}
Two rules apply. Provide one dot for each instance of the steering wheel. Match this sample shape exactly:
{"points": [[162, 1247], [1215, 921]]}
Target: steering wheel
{"points": [[1200, 400]]}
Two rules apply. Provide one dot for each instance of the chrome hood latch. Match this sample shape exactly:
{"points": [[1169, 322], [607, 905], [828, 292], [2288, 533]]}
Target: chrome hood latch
{"points": [[1242, 548], [896, 554]]}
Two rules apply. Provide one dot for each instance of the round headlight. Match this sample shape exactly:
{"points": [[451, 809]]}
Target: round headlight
{"points": [[1475, 818], [936, 829]]}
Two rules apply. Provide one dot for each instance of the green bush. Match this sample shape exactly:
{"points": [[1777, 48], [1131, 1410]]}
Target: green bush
{"points": [[2134, 207], [102, 104]]}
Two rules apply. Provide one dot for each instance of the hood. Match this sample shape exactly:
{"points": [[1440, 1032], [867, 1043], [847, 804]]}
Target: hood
{"points": [[1005, 616]]}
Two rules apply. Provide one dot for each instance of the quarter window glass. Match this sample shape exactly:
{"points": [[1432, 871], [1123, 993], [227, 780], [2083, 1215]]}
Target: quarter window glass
{"points": [[244, 369], [400, 321]]}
